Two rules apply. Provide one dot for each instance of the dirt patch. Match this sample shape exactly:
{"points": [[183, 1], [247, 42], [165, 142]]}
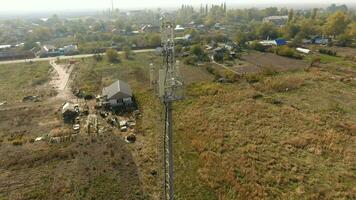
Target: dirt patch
{"points": [[90, 168], [344, 51], [260, 60], [192, 74]]}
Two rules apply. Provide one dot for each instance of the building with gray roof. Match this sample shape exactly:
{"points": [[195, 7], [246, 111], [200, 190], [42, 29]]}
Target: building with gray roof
{"points": [[118, 93]]}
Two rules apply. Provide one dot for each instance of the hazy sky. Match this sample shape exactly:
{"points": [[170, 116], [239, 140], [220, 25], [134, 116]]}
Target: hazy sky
{"points": [[70, 5]]}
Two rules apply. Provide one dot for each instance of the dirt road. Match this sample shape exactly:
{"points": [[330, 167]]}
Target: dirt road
{"points": [[60, 81]]}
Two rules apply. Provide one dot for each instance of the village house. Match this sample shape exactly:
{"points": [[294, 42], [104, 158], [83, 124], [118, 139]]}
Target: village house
{"points": [[118, 94], [149, 28], [179, 28], [277, 42], [277, 20]]}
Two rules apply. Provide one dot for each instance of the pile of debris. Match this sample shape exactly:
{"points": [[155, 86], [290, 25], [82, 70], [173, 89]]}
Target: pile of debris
{"points": [[70, 112], [31, 99], [126, 124]]}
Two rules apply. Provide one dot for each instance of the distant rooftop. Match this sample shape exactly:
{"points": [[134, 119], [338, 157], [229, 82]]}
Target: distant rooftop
{"points": [[276, 17]]}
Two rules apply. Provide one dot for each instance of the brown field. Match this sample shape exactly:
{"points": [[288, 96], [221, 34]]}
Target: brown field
{"points": [[270, 60], [89, 168], [288, 135], [344, 51]]}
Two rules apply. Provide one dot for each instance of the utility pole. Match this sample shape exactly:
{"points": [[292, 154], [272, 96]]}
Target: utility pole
{"points": [[170, 88]]}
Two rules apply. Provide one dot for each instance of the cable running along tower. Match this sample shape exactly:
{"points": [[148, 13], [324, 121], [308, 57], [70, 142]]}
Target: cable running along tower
{"points": [[170, 90]]}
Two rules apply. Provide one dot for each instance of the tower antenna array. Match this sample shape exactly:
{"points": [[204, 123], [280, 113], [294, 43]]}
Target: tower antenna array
{"points": [[170, 88]]}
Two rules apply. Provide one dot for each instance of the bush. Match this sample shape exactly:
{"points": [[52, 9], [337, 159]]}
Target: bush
{"points": [[17, 142], [253, 77], [219, 57], [230, 76], [327, 52], [127, 52], [281, 84], [97, 57], [191, 60], [287, 52], [255, 45], [112, 55], [214, 72]]}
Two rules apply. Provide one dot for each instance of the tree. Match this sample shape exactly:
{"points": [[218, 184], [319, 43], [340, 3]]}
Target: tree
{"points": [[112, 55], [241, 38], [271, 11], [290, 30], [337, 23], [290, 15], [42, 34], [314, 13], [267, 30], [351, 30], [344, 40], [29, 44], [197, 50], [178, 48], [334, 8], [127, 51], [154, 40], [309, 27]]}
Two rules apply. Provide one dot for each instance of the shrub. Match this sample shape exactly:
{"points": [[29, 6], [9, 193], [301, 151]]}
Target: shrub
{"points": [[257, 46], [281, 84], [219, 57], [257, 77], [97, 57], [287, 52], [269, 71], [112, 55], [230, 76], [327, 52], [127, 52], [214, 72], [253, 77], [190, 60], [17, 142]]}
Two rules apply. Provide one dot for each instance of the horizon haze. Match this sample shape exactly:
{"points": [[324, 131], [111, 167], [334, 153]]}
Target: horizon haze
{"points": [[41, 6]]}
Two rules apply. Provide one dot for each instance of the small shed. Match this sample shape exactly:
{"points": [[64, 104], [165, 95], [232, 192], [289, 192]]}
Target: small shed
{"points": [[118, 94], [277, 42], [280, 42], [303, 50]]}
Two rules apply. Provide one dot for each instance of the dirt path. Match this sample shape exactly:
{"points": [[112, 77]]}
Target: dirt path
{"points": [[223, 66], [60, 81]]}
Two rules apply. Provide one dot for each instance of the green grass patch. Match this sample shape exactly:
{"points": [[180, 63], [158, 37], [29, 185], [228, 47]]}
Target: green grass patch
{"points": [[19, 80]]}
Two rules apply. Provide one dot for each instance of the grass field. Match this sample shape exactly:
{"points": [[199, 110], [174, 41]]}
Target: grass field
{"points": [[287, 135], [20, 80]]}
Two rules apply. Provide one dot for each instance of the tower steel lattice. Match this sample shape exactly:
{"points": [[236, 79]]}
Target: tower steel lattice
{"points": [[169, 90]]}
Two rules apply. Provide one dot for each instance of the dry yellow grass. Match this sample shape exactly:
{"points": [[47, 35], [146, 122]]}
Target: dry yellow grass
{"points": [[250, 148]]}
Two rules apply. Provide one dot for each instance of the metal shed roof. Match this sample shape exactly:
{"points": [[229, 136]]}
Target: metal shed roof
{"points": [[117, 90]]}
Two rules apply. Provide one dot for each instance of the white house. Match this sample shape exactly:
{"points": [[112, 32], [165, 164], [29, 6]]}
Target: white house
{"points": [[277, 20], [70, 49], [118, 94]]}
